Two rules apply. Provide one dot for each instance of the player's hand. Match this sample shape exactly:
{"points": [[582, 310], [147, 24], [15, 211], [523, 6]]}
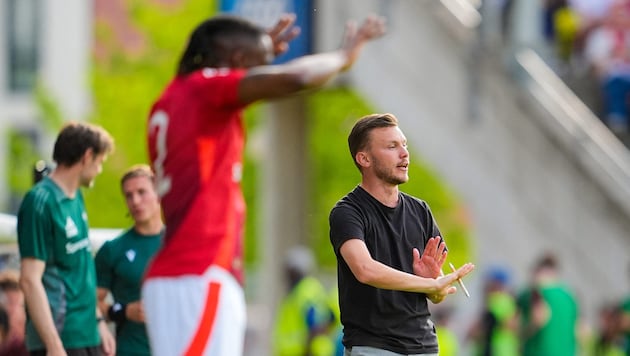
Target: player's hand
{"points": [[135, 312], [282, 33], [433, 257], [540, 313], [354, 38], [59, 351], [108, 342]]}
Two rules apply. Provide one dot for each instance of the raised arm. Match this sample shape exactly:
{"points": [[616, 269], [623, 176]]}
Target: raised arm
{"points": [[274, 81], [376, 274], [282, 33]]}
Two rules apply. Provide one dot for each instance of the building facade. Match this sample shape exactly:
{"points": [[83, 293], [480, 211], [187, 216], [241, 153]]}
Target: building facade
{"points": [[45, 48]]}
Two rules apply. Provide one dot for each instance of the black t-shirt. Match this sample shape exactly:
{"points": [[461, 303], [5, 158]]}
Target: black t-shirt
{"points": [[392, 320]]}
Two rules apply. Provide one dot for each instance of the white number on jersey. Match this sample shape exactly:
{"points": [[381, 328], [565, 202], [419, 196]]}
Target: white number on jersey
{"points": [[159, 122]]}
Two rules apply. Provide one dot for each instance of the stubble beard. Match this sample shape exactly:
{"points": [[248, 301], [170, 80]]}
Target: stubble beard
{"points": [[389, 176]]}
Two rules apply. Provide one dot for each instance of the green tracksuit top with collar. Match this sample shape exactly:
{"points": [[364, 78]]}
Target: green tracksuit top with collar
{"points": [[53, 228], [120, 267]]}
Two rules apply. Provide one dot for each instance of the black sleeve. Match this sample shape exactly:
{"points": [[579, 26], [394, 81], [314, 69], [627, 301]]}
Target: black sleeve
{"points": [[345, 224]]}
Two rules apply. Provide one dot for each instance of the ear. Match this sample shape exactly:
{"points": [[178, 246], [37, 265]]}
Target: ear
{"points": [[363, 159], [88, 156]]}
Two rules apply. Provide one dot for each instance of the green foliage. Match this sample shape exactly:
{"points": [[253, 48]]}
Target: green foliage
{"points": [[22, 150], [333, 174], [50, 117], [126, 84], [22, 156], [251, 190]]}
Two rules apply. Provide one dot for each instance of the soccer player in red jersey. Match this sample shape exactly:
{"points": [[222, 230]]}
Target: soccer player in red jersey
{"points": [[193, 295]]}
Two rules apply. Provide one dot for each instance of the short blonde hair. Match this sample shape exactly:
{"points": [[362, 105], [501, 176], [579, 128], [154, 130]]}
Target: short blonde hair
{"points": [[138, 170]]}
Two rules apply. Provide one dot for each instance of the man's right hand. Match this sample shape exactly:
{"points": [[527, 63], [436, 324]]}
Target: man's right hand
{"points": [[135, 312]]}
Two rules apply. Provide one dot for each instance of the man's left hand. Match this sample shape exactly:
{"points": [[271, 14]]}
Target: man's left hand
{"points": [[429, 265]]}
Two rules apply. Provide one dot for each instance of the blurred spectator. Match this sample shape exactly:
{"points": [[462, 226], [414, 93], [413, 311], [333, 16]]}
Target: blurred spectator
{"points": [[549, 313], [12, 315], [625, 322], [495, 332], [608, 53], [9, 346], [609, 340], [560, 27], [337, 327], [591, 12], [448, 343], [304, 323]]}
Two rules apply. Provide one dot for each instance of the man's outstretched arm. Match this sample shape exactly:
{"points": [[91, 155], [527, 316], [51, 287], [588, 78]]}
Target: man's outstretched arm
{"points": [[310, 71]]}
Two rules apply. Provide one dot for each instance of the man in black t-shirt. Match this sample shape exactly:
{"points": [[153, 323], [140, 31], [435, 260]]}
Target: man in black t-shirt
{"points": [[389, 250]]}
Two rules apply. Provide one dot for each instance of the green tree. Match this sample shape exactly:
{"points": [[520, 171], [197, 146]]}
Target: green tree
{"points": [[23, 151]]}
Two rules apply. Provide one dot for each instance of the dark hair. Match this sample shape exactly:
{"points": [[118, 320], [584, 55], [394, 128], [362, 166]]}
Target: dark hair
{"points": [[547, 260], [359, 137], [213, 42], [138, 170], [9, 280], [75, 138]]}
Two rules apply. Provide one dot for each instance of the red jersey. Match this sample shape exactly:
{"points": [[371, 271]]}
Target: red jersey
{"points": [[196, 140]]}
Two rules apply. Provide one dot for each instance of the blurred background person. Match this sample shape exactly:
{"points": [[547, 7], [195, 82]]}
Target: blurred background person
{"points": [[607, 52], [590, 12], [9, 346], [305, 322], [625, 320], [121, 262], [560, 27], [448, 342], [12, 314], [609, 339], [549, 312], [495, 332]]}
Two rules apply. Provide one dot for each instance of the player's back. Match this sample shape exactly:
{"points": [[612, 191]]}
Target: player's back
{"points": [[196, 141]]}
